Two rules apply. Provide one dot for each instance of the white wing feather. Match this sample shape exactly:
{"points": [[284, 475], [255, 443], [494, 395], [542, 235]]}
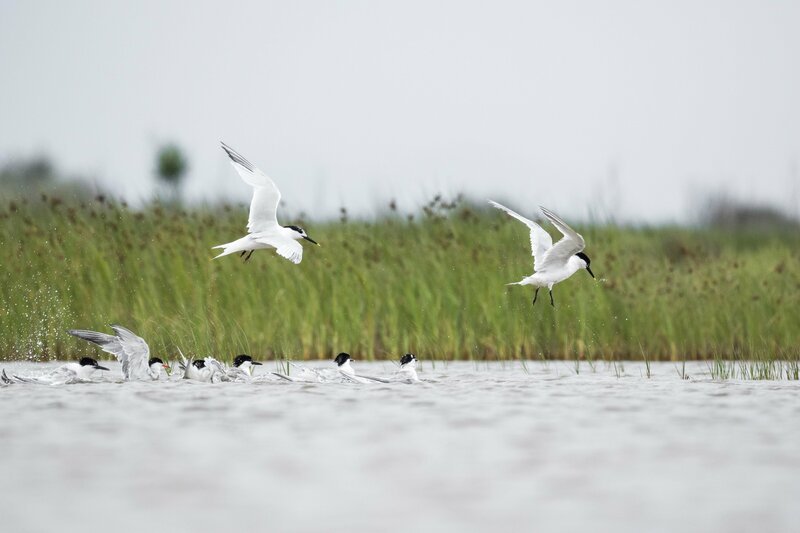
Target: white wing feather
{"points": [[541, 241], [219, 371], [284, 246], [135, 354], [569, 245], [129, 349], [266, 196]]}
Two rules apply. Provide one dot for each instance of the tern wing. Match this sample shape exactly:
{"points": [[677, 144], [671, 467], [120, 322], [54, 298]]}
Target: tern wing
{"points": [[541, 241], [266, 196], [129, 349], [305, 373], [135, 353], [373, 378], [218, 370], [569, 245], [284, 246]]}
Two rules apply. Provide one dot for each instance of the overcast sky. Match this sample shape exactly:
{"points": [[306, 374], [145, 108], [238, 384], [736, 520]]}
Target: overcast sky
{"points": [[637, 107]]}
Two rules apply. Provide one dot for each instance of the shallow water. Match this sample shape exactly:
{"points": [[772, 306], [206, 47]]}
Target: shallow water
{"points": [[474, 447]]}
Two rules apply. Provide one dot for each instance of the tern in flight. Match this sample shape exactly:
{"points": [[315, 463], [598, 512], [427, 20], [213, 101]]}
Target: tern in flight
{"points": [[552, 263], [262, 226], [129, 349]]}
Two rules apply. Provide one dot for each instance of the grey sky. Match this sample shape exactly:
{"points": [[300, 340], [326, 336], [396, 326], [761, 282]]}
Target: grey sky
{"points": [[637, 106]]}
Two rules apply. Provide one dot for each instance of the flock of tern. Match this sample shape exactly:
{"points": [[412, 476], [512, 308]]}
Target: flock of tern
{"points": [[552, 263], [133, 353]]}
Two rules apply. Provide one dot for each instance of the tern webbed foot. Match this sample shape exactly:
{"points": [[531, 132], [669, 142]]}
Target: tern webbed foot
{"points": [[248, 256]]}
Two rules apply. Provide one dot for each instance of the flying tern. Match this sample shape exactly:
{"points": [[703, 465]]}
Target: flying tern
{"points": [[552, 263], [129, 349], [81, 371], [262, 226]]}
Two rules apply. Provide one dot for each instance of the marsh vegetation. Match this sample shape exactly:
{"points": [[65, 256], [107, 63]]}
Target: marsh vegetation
{"points": [[432, 282]]}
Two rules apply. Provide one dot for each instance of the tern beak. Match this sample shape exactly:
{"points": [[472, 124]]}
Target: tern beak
{"points": [[309, 239], [589, 270], [255, 363], [98, 367]]}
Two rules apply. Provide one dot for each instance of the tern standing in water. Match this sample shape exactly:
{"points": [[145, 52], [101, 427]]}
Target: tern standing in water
{"points": [[408, 368], [211, 370], [347, 372], [264, 230], [79, 372], [552, 263]]}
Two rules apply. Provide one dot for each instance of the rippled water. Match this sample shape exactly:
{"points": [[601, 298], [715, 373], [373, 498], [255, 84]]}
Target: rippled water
{"points": [[475, 447]]}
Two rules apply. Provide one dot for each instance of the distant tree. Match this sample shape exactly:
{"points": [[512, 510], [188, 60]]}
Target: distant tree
{"points": [[724, 212], [31, 172], [171, 167], [37, 176]]}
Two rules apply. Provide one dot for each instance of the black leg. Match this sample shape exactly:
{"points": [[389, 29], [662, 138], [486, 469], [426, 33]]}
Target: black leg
{"points": [[536, 295], [242, 254], [551, 299], [248, 256]]}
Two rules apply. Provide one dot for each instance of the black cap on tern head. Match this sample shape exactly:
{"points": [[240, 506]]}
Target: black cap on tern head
{"points": [[240, 359], [88, 361], [587, 261], [302, 233], [154, 360], [407, 358], [199, 363], [342, 358]]}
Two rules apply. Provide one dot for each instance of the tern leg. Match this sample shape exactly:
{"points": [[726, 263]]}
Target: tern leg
{"points": [[536, 295], [551, 299], [242, 254], [248, 255]]}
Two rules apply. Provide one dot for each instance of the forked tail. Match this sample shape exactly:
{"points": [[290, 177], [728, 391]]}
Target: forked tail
{"points": [[230, 248]]}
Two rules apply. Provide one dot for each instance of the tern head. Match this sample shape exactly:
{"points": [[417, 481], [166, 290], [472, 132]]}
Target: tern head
{"points": [[88, 361], [244, 360], [157, 365], [585, 258], [409, 360], [301, 234], [198, 364], [342, 358]]}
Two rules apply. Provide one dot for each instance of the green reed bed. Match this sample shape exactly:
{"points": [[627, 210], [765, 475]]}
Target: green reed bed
{"points": [[433, 285]]}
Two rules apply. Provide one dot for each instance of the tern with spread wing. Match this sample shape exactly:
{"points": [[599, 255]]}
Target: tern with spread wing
{"points": [[129, 349], [262, 226], [552, 263]]}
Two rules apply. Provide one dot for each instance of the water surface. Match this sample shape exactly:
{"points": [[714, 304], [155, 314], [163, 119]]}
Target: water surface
{"points": [[474, 447]]}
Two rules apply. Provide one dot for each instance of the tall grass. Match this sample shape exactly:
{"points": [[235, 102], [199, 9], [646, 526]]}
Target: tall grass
{"points": [[433, 285]]}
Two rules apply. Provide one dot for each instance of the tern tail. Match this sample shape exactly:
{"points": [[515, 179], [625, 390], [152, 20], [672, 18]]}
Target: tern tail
{"points": [[240, 245]]}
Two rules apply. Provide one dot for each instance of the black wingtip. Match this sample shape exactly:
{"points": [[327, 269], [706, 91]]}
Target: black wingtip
{"points": [[236, 157]]}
